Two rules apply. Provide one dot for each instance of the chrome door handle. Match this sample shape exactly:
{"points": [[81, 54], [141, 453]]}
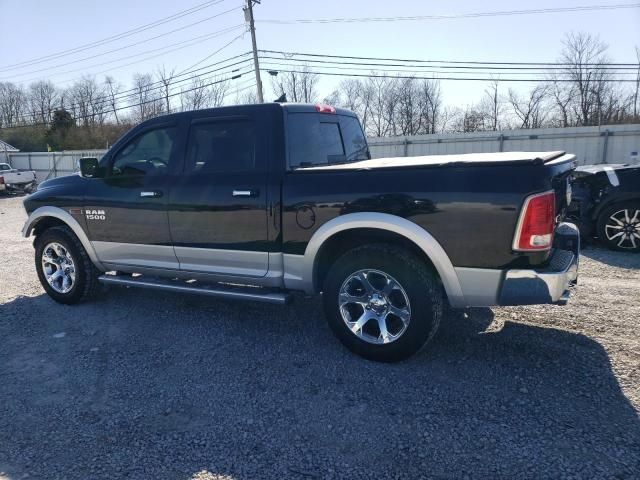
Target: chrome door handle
{"points": [[246, 193], [154, 194]]}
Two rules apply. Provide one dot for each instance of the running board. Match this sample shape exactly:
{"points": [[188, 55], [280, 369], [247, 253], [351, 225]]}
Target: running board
{"points": [[222, 291]]}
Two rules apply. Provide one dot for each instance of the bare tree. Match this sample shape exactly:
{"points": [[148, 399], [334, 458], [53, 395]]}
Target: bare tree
{"points": [[43, 97], [381, 104], [195, 96], [87, 102], [585, 58], [147, 99], [491, 106], [531, 110], [12, 104], [430, 104], [406, 108], [300, 87], [165, 77], [218, 91], [112, 89]]}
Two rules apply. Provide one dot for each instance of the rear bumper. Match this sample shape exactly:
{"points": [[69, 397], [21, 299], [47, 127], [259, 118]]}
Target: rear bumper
{"points": [[551, 284], [485, 287]]}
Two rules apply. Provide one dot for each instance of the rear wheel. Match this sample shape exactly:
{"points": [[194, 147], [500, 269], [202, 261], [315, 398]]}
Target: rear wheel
{"points": [[64, 268], [619, 227], [382, 302]]}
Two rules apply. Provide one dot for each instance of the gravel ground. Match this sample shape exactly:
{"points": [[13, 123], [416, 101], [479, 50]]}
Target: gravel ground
{"points": [[139, 385]]}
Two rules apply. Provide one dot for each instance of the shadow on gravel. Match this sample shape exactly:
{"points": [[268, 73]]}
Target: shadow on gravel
{"points": [[610, 257], [147, 385]]}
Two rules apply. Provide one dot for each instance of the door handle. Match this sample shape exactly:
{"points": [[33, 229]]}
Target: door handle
{"points": [[246, 193], [154, 194]]}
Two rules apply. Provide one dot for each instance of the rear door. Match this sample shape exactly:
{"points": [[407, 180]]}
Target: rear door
{"points": [[218, 206]]}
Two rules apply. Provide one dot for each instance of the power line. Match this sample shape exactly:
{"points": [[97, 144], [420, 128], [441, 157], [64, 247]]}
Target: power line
{"points": [[441, 68], [132, 92], [478, 79], [119, 36], [93, 115], [584, 8], [415, 60], [190, 42], [212, 54]]}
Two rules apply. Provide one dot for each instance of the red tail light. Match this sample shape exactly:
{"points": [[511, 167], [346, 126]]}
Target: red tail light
{"points": [[1, 180], [321, 108], [536, 223]]}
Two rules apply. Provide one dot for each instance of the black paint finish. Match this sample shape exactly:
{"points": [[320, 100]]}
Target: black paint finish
{"points": [[470, 209], [593, 192]]}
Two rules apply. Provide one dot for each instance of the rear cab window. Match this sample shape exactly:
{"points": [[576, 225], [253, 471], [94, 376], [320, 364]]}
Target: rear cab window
{"points": [[316, 139]]}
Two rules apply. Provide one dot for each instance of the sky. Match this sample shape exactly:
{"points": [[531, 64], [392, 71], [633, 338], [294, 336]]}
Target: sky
{"points": [[35, 28]]}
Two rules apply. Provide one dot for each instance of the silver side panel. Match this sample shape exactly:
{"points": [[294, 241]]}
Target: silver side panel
{"points": [[299, 269], [223, 262], [481, 286], [67, 218], [135, 254]]}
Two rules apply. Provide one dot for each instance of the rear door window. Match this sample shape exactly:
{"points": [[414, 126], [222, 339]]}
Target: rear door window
{"points": [[221, 146]]}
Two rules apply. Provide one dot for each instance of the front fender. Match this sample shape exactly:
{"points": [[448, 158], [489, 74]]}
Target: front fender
{"points": [[42, 213]]}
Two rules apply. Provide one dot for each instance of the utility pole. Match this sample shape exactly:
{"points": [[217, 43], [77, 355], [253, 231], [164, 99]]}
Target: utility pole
{"points": [[248, 15]]}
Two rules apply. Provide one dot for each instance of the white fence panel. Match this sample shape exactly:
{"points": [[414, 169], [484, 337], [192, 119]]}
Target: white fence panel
{"points": [[51, 164], [605, 144]]}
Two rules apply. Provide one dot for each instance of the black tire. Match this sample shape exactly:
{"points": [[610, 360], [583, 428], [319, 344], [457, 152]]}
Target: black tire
{"points": [[416, 278], [86, 282], [608, 228]]}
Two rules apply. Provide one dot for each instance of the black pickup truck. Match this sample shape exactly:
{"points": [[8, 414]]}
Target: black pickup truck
{"points": [[254, 202]]}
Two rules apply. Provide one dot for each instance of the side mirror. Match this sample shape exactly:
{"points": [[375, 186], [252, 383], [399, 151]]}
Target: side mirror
{"points": [[89, 167]]}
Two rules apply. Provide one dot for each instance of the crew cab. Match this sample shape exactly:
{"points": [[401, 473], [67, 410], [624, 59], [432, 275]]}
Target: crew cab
{"points": [[255, 202], [12, 179]]}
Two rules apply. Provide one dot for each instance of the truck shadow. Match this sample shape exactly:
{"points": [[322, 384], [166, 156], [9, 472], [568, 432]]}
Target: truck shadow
{"points": [[146, 385]]}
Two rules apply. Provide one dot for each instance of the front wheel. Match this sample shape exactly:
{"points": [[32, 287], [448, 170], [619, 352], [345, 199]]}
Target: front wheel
{"points": [[64, 268], [382, 302], [619, 227]]}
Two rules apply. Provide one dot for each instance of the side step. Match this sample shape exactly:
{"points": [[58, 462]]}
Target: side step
{"points": [[218, 290]]}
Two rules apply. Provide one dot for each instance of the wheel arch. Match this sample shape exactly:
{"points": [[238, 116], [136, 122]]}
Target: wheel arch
{"points": [[351, 229], [45, 217], [612, 201]]}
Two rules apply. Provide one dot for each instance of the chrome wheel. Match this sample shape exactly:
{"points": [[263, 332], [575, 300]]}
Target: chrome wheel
{"points": [[58, 267], [374, 306], [623, 228]]}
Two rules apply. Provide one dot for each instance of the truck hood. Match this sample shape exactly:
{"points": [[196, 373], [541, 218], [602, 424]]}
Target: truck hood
{"points": [[75, 179], [441, 160]]}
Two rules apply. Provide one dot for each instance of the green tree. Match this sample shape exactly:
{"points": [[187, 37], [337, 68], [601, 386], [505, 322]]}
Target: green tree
{"points": [[62, 125]]}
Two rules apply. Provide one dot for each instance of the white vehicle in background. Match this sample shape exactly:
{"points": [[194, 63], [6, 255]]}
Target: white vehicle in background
{"points": [[12, 180]]}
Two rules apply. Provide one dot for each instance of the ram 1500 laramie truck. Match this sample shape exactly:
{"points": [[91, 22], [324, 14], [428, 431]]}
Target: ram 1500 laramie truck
{"points": [[254, 202]]}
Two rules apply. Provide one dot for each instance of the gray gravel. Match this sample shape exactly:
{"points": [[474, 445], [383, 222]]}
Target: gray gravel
{"points": [[152, 385]]}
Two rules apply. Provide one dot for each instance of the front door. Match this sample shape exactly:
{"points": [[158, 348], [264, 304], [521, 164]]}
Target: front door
{"points": [[126, 211], [218, 206]]}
